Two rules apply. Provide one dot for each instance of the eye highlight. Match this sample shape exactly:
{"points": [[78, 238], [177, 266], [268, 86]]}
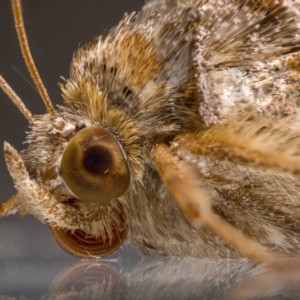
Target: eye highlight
{"points": [[93, 166]]}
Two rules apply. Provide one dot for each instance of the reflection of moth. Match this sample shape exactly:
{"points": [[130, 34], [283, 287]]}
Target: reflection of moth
{"points": [[179, 131], [168, 278]]}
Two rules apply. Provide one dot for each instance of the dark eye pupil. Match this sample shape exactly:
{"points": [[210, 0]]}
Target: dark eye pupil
{"points": [[97, 160]]}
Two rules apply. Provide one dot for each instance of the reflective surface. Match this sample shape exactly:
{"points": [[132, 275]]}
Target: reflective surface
{"points": [[151, 278]]}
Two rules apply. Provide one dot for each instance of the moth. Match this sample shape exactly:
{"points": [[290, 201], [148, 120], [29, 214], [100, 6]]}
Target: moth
{"points": [[179, 132]]}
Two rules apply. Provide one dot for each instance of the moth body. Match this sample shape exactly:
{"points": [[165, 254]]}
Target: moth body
{"points": [[218, 85]]}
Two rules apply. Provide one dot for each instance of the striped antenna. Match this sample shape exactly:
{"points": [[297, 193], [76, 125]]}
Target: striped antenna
{"points": [[18, 17], [16, 100]]}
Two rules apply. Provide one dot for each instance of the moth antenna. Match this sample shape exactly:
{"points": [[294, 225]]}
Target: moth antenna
{"points": [[18, 17], [16, 100]]}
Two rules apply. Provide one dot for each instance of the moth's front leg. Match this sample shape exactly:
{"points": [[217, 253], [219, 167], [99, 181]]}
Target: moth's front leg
{"points": [[195, 202], [249, 140]]}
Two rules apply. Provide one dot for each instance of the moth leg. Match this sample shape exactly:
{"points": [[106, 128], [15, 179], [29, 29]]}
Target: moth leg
{"points": [[252, 141], [194, 201], [10, 206]]}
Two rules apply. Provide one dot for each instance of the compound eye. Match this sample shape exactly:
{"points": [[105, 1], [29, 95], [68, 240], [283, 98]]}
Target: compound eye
{"points": [[93, 166]]}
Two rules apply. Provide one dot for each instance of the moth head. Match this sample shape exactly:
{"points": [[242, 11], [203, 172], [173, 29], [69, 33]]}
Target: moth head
{"points": [[79, 170], [84, 160], [80, 166], [75, 184]]}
